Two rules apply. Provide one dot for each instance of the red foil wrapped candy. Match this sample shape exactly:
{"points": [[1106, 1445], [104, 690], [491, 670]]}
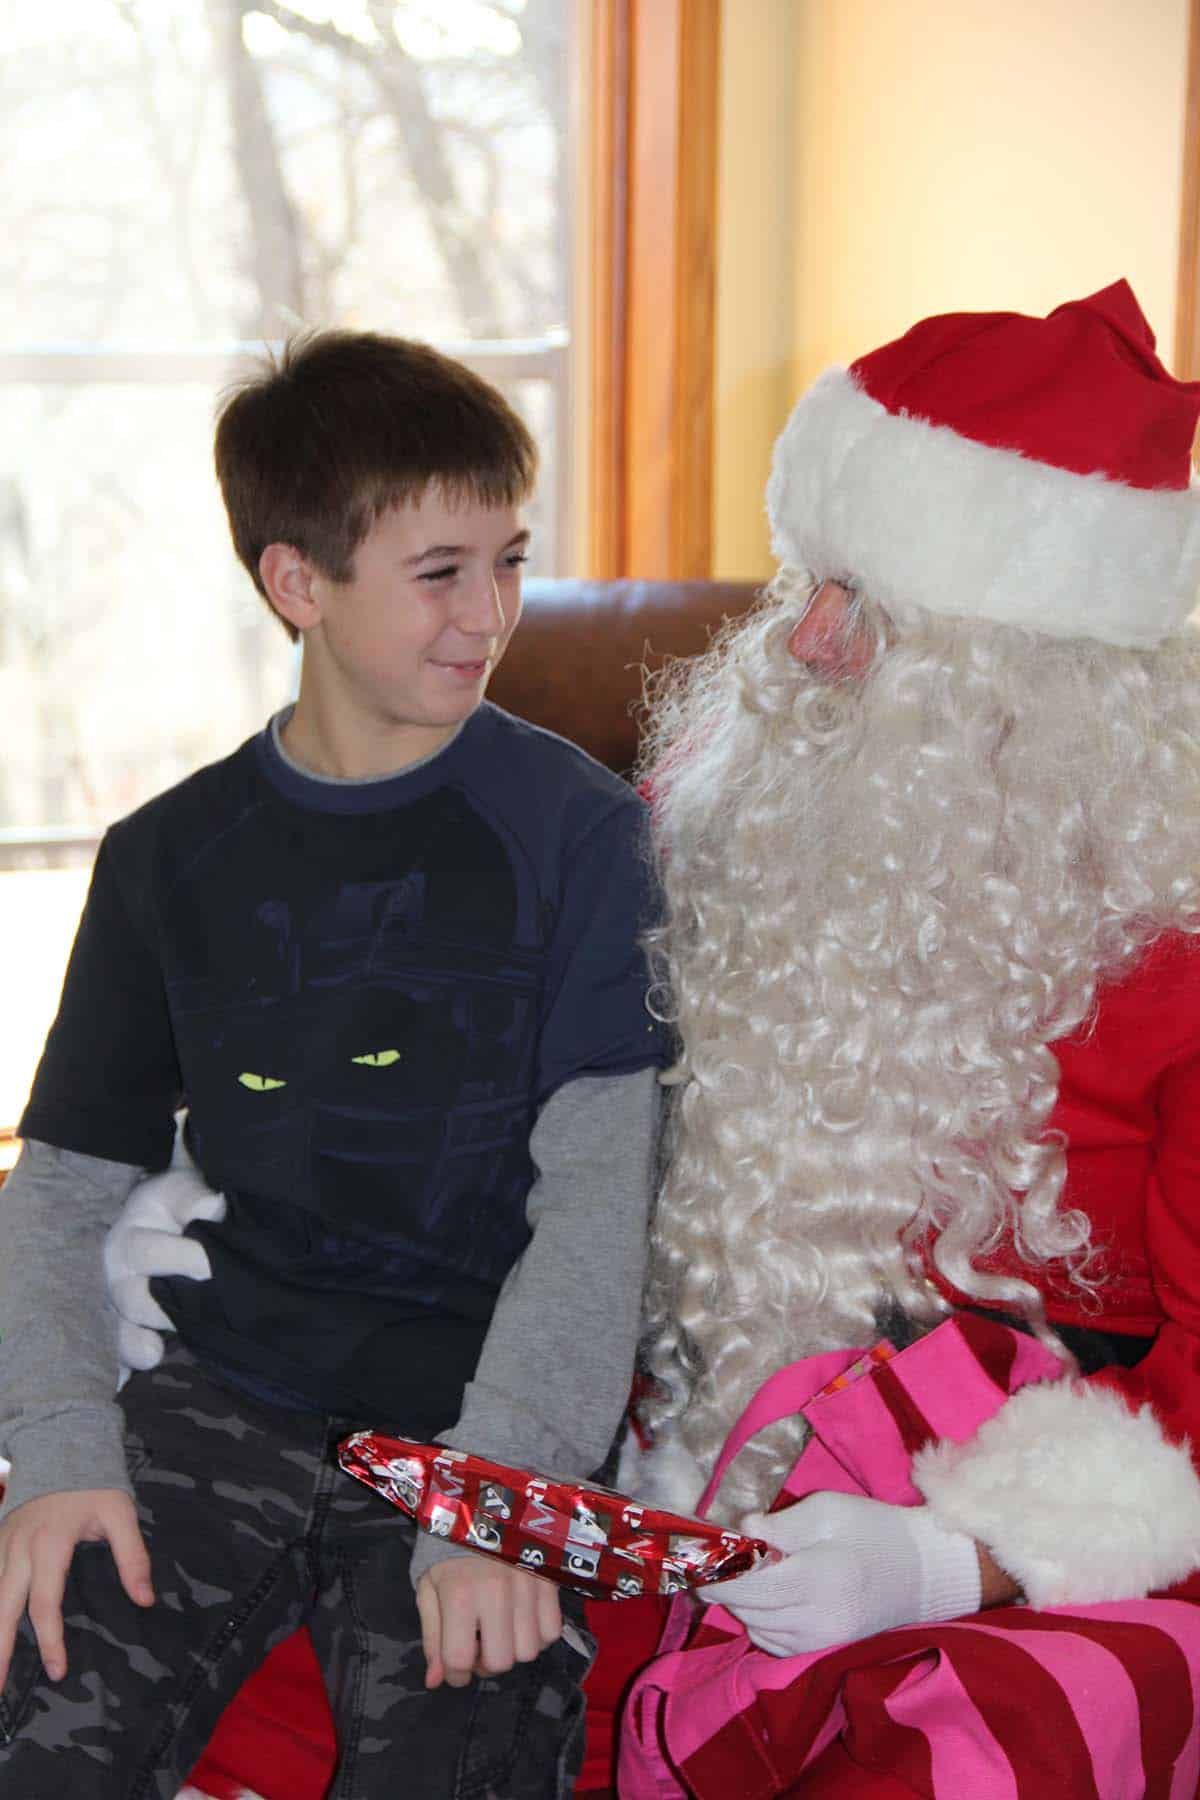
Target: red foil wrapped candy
{"points": [[601, 1543]]}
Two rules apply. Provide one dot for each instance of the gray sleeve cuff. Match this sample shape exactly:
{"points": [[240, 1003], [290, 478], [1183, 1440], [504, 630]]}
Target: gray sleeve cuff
{"points": [[428, 1551], [66, 1449], [59, 1422]]}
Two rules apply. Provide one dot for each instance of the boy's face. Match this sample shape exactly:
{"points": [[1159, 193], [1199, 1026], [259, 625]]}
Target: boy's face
{"points": [[412, 638]]}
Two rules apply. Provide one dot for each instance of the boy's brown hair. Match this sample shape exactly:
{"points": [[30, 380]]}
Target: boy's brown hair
{"points": [[311, 450]]}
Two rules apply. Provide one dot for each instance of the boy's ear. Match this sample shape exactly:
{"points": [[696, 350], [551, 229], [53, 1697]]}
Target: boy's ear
{"points": [[288, 579]]}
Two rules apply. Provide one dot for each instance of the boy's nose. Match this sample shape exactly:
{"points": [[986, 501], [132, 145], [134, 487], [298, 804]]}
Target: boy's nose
{"points": [[482, 612]]}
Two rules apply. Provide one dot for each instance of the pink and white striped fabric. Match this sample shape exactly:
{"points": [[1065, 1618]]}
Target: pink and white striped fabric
{"points": [[1075, 1703]]}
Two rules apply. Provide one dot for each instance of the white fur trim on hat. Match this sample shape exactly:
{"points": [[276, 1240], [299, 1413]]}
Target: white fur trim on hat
{"points": [[1078, 1498], [916, 513]]}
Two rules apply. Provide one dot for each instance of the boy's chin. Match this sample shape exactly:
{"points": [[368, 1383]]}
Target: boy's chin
{"points": [[445, 714], [454, 693], [459, 706]]}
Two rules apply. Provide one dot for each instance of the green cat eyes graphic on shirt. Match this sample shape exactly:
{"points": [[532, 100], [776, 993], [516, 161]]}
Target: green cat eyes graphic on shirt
{"points": [[371, 1059]]}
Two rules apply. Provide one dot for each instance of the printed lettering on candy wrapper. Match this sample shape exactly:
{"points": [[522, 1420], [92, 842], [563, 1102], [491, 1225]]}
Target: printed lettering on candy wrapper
{"points": [[598, 1542], [482, 1533], [587, 1535], [495, 1508], [407, 1477], [440, 1520], [441, 1508], [541, 1520], [577, 1536], [496, 1500]]}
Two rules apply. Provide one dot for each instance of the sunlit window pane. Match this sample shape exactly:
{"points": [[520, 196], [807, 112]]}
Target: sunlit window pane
{"points": [[179, 178]]}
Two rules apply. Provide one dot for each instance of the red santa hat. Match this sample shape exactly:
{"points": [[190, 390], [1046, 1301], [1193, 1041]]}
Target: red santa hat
{"points": [[1036, 472]]}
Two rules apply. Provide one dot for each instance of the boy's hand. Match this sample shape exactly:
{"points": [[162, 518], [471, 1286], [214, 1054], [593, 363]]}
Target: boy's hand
{"points": [[37, 1542], [479, 1618]]}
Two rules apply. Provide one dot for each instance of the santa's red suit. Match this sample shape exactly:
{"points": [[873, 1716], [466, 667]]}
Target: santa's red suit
{"points": [[1129, 1111]]}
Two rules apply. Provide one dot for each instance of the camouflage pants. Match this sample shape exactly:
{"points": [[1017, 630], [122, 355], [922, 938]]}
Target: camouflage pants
{"points": [[252, 1531]]}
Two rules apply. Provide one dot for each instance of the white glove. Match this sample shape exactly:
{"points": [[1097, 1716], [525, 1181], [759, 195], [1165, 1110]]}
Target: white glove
{"points": [[851, 1567], [147, 1240]]}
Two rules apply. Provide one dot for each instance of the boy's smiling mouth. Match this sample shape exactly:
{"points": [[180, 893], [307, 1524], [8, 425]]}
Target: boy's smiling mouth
{"points": [[473, 669]]}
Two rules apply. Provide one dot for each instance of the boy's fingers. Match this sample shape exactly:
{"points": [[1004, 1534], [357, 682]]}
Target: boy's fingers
{"points": [[45, 1606], [526, 1632], [131, 1556], [497, 1650], [549, 1612], [430, 1613], [14, 1589], [460, 1645]]}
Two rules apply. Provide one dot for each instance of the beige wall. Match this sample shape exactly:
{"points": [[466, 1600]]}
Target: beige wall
{"points": [[755, 262], [933, 155]]}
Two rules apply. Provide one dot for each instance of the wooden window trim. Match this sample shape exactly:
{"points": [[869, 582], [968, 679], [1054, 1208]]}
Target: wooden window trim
{"points": [[653, 154], [1187, 307]]}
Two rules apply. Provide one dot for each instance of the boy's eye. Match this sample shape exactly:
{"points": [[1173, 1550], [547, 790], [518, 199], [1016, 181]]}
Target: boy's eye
{"points": [[378, 1059], [446, 574], [260, 1084], [515, 559]]}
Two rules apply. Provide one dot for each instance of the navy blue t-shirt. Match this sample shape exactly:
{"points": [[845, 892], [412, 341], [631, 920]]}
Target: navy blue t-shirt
{"points": [[362, 992]]}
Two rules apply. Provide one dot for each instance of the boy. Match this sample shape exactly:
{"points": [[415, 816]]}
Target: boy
{"points": [[387, 954]]}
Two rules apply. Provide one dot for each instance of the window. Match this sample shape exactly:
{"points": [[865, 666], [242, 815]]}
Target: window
{"points": [[185, 179]]}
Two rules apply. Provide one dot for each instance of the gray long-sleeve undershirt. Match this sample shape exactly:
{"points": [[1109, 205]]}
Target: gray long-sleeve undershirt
{"points": [[60, 1425], [554, 1373]]}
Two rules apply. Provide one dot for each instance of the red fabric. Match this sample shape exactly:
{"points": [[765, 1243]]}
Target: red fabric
{"points": [[1129, 1109], [835, 1777], [1081, 390], [627, 1634], [276, 1737]]}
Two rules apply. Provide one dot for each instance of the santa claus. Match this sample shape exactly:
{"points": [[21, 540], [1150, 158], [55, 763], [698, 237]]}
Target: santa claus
{"points": [[929, 828]]}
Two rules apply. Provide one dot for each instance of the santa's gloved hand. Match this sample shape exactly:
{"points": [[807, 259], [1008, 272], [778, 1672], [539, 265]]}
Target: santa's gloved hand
{"points": [[851, 1567], [147, 1240]]}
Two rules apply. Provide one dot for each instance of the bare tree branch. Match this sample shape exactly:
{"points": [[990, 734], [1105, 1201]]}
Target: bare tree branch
{"points": [[174, 168], [274, 263], [420, 139]]}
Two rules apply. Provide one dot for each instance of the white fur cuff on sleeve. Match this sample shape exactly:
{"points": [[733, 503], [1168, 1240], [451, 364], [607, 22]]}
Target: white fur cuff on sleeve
{"points": [[1079, 1499]]}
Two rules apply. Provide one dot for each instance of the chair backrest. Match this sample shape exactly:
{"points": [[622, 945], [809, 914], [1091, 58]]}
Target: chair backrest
{"points": [[576, 662]]}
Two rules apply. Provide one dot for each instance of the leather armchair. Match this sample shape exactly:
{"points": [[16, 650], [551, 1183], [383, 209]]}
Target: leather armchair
{"points": [[576, 661]]}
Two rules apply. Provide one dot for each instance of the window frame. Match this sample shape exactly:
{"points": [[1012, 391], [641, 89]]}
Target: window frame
{"points": [[1187, 307], [653, 146]]}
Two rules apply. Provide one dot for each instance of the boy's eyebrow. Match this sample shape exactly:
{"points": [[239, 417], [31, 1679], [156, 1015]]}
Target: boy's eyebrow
{"points": [[519, 539]]}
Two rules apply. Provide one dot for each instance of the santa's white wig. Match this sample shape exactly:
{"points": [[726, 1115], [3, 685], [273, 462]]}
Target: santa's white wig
{"points": [[885, 900]]}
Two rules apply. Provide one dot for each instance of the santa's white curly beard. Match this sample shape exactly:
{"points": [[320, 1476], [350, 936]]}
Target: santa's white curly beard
{"points": [[885, 900]]}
